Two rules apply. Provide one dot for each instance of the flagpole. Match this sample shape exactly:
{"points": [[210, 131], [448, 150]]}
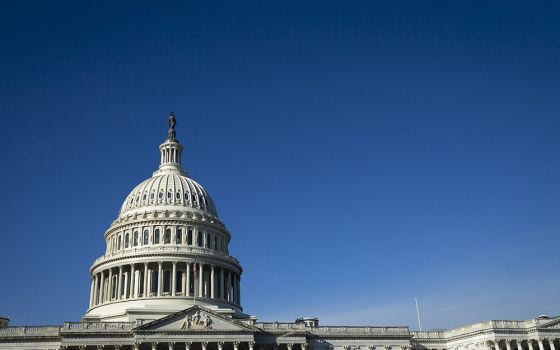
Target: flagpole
{"points": [[418, 314]]}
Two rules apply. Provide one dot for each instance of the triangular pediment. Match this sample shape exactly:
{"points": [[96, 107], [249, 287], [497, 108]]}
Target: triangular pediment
{"points": [[553, 324], [196, 319]]}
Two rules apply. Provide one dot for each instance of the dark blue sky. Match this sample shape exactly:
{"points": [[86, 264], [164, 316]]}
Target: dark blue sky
{"points": [[361, 153]]}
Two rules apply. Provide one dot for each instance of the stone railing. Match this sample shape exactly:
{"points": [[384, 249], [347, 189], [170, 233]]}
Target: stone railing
{"points": [[170, 248], [30, 331], [434, 334], [97, 326], [272, 326]]}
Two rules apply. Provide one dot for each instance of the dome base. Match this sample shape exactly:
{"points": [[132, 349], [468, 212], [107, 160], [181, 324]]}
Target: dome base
{"points": [[153, 309]]}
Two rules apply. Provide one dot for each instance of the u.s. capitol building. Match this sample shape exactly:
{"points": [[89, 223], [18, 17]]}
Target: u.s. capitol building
{"points": [[167, 281]]}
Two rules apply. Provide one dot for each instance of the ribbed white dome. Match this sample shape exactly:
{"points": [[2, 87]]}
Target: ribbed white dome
{"points": [[171, 189]]}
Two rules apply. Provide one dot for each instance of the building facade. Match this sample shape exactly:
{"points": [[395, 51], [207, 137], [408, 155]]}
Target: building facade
{"points": [[168, 281]]}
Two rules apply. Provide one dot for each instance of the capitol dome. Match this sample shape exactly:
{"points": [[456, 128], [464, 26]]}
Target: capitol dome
{"points": [[167, 250]]}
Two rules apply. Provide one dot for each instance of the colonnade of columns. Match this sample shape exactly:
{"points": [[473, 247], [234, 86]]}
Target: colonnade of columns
{"points": [[165, 278], [517, 344], [198, 345]]}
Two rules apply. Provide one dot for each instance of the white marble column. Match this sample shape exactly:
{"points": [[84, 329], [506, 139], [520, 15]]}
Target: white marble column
{"points": [[508, 344], [119, 284], [551, 342], [519, 344], [228, 286], [137, 284], [171, 345], [251, 345], [497, 344], [530, 343], [145, 294], [183, 283], [91, 289], [220, 345], [188, 272], [236, 345], [187, 346], [204, 345], [110, 294], [201, 281], [541, 345], [126, 278], [239, 290], [149, 290], [96, 289], [154, 346], [222, 295], [159, 279], [174, 279], [132, 281], [212, 277]]}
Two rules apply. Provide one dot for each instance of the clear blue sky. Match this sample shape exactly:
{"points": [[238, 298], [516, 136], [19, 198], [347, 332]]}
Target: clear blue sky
{"points": [[361, 153]]}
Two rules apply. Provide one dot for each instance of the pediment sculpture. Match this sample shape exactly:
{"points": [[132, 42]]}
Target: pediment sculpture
{"points": [[197, 321]]}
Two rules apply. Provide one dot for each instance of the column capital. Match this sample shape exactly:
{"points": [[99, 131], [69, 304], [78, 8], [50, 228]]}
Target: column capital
{"points": [[371, 347]]}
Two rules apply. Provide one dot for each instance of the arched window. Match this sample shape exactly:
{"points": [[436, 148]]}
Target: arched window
{"points": [[200, 240], [168, 195], [186, 196], [178, 195], [207, 241], [146, 238], [156, 236], [166, 281], [160, 195], [119, 243], [126, 240], [179, 236], [135, 242], [189, 236], [167, 237]]}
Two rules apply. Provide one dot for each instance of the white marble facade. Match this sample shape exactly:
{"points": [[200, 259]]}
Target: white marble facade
{"points": [[168, 281]]}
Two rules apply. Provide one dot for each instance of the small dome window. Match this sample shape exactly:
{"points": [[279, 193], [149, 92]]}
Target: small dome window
{"points": [[135, 239], [160, 196], [186, 196], [152, 195], [178, 195], [144, 197], [189, 236], [167, 237], [179, 236], [156, 236], [146, 238], [126, 240]]}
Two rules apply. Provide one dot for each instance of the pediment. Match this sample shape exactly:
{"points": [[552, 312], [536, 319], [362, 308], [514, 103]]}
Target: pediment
{"points": [[553, 324], [196, 319]]}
